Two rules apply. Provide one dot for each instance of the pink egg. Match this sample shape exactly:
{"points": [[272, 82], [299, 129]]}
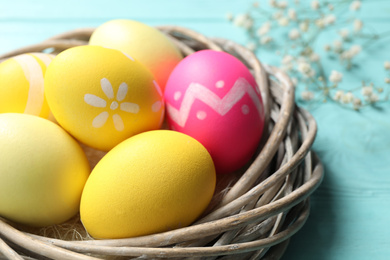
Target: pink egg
{"points": [[213, 97]]}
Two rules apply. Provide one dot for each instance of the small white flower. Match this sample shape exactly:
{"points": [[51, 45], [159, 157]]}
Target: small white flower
{"points": [[347, 98], [292, 14], [346, 55], [287, 64], [315, 5], [242, 20], [314, 57], [264, 29], [304, 67], [367, 90], [283, 21], [287, 59], [352, 52], [307, 95], [335, 76], [272, 3], [355, 5], [357, 25], [265, 40], [355, 49], [330, 7], [294, 34], [282, 4], [387, 80], [320, 23], [357, 103], [373, 98], [387, 65], [327, 47], [248, 23], [116, 103], [306, 70], [329, 19], [338, 95], [304, 26], [277, 15], [344, 33]]}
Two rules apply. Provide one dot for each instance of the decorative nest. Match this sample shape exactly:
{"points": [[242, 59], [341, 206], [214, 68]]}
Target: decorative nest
{"points": [[253, 213]]}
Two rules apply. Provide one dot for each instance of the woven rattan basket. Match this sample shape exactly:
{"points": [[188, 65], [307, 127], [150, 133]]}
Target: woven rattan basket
{"points": [[254, 212]]}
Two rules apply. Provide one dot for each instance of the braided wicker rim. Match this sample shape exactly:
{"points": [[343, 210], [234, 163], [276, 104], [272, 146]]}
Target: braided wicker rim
{"points": [[260, 211]]}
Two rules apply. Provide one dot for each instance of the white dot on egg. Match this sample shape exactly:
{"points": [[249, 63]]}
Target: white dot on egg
{"points": [[114, 105], [220, 84], [177, 95], [156, 106], [201, 115], [245, 109]]}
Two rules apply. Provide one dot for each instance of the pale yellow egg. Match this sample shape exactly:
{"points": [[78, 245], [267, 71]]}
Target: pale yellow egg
{"points": [[42, 171], [152, 182], [143, 42], [21, 84], [102, 96]]}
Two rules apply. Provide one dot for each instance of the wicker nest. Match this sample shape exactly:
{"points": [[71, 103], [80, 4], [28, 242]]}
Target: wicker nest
{"points": [[254, 212]]}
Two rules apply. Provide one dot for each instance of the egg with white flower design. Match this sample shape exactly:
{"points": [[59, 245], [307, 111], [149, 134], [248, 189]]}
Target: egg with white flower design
{"points": [[102, 96], [213, 97]]}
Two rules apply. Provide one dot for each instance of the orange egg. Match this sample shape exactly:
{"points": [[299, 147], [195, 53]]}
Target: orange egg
{"points": [[143, 42]]}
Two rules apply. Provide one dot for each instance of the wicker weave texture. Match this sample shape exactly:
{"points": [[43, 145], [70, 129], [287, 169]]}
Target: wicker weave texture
{"points": [[259, 208]]}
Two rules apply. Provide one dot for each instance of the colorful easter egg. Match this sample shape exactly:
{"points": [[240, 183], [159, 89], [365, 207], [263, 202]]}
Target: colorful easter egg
{"points": [[213, 97], [143, 42], [42, 171], [152, 182], [21, 84], [102, 96]]}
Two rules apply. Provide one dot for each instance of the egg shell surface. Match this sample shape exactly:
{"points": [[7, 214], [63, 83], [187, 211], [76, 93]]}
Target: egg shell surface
{"points": [[102, 96], [22, 84], [42, 171], [152, 182], [143, 42], [213, 97]]}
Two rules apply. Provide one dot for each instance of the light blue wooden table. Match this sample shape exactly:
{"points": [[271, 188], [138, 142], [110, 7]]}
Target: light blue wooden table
{"points": [[350, 211]]}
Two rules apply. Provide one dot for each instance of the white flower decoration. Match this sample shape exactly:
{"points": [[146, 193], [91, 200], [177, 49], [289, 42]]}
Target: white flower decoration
{"points": [[315, 5], [96, 101], [294, 34], [355, 5], [386, 65], [307, 95], [335, 76]]}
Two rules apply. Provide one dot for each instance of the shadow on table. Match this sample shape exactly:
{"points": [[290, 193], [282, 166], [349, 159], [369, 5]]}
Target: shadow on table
{"points": [[318, 234]]}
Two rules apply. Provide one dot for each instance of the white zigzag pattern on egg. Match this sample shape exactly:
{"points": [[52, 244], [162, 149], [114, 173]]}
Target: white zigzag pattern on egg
{"points": [[221, 106]]}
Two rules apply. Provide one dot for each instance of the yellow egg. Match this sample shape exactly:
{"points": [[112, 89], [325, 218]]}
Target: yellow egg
{"points": [[102, 96], [141, 41], [42, 171], [152, 182], [21, 84]]}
